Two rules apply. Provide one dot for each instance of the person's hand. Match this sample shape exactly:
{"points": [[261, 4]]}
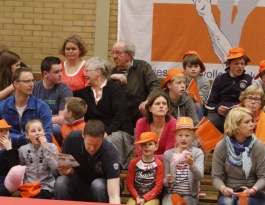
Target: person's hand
{"points": [[223, 110], [120, 77], [142, 107], [65, 170], [140, 201], [6, 142], [169, 178], [249, 191], [191, 94], [43, 141], [189, 160], [238, 105], [227, 191]]}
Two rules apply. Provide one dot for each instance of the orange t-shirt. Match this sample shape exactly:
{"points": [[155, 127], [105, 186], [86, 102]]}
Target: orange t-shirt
{"points": [[77, 80]]}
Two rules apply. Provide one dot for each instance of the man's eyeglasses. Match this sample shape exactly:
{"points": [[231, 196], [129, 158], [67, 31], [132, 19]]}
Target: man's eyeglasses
{"points": [[26, 81], [117, 53], [251, 99]]}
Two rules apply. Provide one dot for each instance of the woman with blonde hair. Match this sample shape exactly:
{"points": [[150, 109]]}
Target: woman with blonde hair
{"points": [[253, 98], [238, 161]]}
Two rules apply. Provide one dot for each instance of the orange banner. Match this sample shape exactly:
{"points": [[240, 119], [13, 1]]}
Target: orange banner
{"points": [[192, 88], [208, 134]]}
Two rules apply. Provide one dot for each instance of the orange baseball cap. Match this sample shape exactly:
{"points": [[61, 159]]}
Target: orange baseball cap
{"points": [[185, 123], [261, 68], [147, 136], [171, 74], [195, 53], [236, 52], [3, 124]]}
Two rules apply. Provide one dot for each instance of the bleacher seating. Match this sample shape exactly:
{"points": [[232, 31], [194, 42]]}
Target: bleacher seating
{"points": [[206, 184]]}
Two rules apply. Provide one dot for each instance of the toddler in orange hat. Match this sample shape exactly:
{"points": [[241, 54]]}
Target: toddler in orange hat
{"points": [[183, 177], [145, 173]]}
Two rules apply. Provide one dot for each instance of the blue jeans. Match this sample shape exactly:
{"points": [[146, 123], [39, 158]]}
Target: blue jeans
{"points": [[257, 199], [199, 110], [74, 188]]}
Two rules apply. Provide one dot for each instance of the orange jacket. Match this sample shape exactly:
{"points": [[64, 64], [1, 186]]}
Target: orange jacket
{"points": [[67, 127]]}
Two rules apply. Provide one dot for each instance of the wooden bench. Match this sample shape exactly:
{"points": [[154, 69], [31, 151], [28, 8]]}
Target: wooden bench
{"points": [[206, 184], [37, 76]]}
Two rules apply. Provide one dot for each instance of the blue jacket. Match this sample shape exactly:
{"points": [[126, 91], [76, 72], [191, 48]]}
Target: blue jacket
{"points": [[36, 109], [226, 90]]}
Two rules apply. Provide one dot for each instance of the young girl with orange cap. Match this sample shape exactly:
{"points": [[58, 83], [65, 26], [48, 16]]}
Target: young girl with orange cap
{"points": [[8, 156], [184, 165]]}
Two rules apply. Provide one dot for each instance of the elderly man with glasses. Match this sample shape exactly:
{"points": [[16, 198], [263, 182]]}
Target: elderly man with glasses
{"points": [[18, 109], [136, 77]]}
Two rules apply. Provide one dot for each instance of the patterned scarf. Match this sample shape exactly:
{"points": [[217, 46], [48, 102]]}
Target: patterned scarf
{"points": [[238, 154]]}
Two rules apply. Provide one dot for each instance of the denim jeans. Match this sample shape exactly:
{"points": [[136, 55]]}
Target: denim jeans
{"points": [[257, 199], [74, 188]]}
